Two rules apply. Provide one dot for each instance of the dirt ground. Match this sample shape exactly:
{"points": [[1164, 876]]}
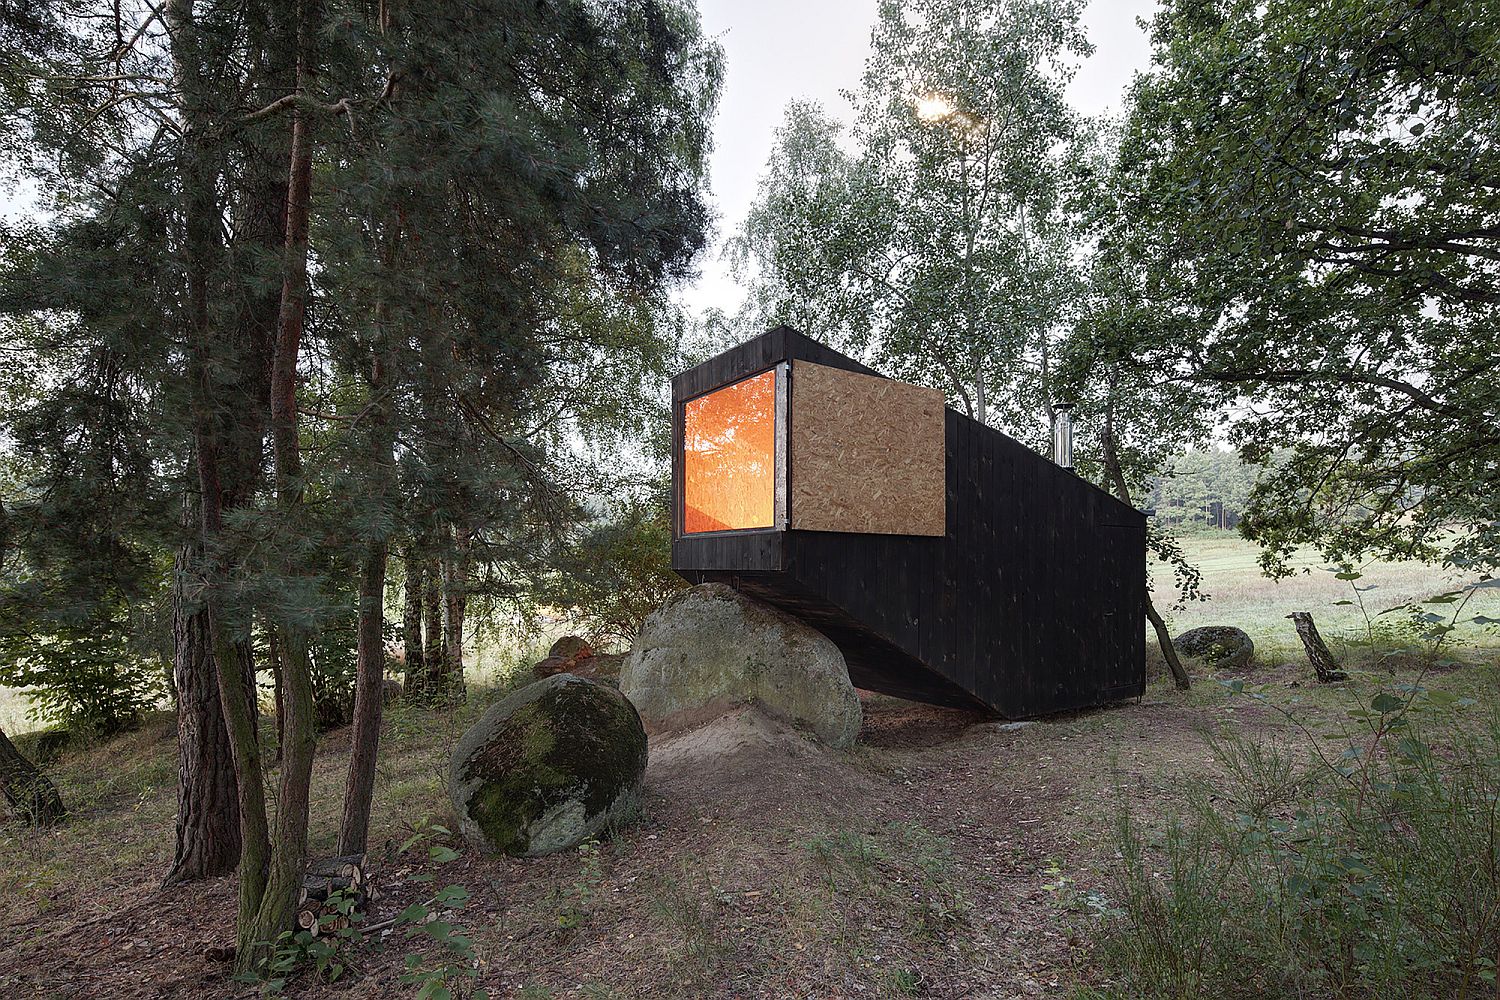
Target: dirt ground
{"points": [[946, 855]]}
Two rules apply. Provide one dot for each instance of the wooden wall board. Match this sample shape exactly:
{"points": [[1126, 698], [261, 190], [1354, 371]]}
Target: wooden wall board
{"points": [[756, 355], [867, 454]]}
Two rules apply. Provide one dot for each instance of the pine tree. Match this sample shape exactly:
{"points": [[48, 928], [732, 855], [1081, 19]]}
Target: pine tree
{"points": [[462, 179]]}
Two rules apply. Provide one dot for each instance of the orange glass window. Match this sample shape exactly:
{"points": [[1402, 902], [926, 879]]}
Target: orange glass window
{"points": [[729, 457]]}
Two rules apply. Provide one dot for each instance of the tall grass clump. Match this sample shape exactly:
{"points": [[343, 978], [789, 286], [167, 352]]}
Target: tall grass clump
{"points": [[1371, 870]]}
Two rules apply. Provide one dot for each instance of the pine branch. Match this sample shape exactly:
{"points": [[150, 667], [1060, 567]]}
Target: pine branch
{"points": [[341, 106], [154, 15]]}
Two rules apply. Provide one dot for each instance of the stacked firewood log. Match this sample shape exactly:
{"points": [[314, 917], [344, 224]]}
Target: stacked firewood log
{"points": [[328, 881]]}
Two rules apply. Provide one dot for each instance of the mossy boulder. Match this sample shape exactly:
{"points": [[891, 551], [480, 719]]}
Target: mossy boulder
{"points": [[711, 648], [547, 767], [1219, 647]]}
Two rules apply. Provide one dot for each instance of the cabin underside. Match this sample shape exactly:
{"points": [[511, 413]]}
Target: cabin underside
{"points": [[875, 663]]}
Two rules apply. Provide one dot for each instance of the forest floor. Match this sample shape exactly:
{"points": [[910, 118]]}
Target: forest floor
{"points": [[945, 855]]}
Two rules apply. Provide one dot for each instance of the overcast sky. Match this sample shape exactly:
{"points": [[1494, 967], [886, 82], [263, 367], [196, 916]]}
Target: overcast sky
{"points": [[779, 50]]}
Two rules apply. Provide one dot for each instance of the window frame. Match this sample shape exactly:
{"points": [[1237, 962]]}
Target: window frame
{"points": [[780, 475]]}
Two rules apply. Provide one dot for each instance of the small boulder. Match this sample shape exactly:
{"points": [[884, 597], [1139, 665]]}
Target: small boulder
{"points": [[711, 648], [390, 691], [1220, 647], [573, 655], [547, 767], [571, 647], [601, 667]]}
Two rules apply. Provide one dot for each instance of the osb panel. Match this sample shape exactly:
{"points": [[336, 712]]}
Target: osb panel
{"points": [[867, 454]]}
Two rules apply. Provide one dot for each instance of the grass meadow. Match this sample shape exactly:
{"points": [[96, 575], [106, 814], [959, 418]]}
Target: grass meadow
{"points": [[1239, 594], [14, 711]]}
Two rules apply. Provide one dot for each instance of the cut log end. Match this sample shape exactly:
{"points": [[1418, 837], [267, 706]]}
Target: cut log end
{"points": [[329, 880]]}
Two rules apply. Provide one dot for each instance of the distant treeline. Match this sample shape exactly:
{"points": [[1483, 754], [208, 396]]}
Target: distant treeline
{"points": [[1203, 489]]}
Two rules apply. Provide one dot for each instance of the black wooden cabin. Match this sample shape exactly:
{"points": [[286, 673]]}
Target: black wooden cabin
{"points": [[949, 563]]}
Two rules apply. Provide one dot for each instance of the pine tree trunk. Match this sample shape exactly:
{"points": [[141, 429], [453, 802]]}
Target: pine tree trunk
{"points": [[1322, 660], [288, 857], [198, 181], [369, 697], [208, 811], [369, 690], [209, 834], [411, 627], [432, 613], [28, 793], [455, 605]]}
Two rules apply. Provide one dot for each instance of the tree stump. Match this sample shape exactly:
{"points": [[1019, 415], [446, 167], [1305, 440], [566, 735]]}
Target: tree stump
{"points": [[1322, 660], [27, 791]]}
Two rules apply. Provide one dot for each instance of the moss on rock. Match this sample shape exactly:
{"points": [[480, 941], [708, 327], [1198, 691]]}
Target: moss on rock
{"points": [[1220, 647], [548, 767]]}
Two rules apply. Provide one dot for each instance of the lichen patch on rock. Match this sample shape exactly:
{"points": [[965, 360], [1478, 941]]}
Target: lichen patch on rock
{"points": [[547, 768], [711, 648]]}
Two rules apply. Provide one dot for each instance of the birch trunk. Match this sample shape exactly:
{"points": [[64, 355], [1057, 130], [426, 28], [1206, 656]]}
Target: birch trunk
{"points": [[1323, 663], [1122, 490]]}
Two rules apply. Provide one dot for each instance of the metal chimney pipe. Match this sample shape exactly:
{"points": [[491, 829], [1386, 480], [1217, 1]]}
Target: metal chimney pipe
{"points": [[1062, 434]]}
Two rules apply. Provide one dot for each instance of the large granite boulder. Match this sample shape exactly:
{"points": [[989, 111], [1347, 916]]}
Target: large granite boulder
{"points": [[547, 767], [1220, 647], [710, 648]]}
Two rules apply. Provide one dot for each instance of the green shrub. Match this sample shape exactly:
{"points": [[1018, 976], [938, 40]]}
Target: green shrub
{"points": [[83, 681], [335, 667], [441, 963], [334, 656], [1370, 871], [616, 574]]}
